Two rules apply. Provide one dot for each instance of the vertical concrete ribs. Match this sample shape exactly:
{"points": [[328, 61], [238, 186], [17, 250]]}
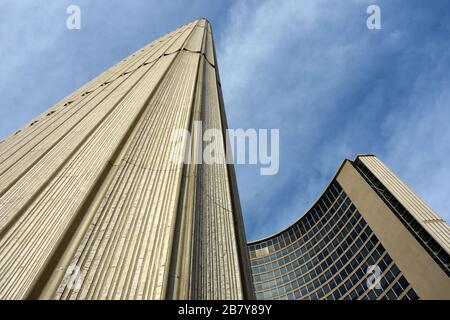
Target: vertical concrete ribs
{"points": [[92, 207]]}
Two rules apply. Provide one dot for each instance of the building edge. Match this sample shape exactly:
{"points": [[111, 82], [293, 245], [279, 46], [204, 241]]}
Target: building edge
{"points": [[244, 258], [348, 175]]}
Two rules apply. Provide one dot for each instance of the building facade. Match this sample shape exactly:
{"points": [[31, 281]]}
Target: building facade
{"points": [[367, 237], [93, 207]]}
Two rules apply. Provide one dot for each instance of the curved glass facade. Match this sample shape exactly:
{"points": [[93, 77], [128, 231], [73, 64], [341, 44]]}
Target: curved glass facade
{"points": [[326, 254]]}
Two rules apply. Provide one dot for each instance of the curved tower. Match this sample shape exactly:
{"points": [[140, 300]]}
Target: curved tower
{"points": [[92, 206], [368, 236]]}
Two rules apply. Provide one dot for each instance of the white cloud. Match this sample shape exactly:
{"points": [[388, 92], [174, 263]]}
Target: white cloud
{"points": [[309, 67], [312, 69]]}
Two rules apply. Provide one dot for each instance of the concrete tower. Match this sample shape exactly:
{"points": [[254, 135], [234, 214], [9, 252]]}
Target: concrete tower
{"points": [[368, 237], [92, 206]]}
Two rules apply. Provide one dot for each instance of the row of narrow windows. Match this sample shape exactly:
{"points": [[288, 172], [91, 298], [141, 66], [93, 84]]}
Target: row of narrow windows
{"points": [[306, 228], [88, 92], [439, 255], [326, 255], [107, 82]]}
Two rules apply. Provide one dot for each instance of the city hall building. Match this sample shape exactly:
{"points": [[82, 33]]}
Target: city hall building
{"points": [[365, 217], [93, 207]]}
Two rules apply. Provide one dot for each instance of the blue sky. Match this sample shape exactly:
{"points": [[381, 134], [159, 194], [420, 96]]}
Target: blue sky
{"points": [[308, 67]]}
